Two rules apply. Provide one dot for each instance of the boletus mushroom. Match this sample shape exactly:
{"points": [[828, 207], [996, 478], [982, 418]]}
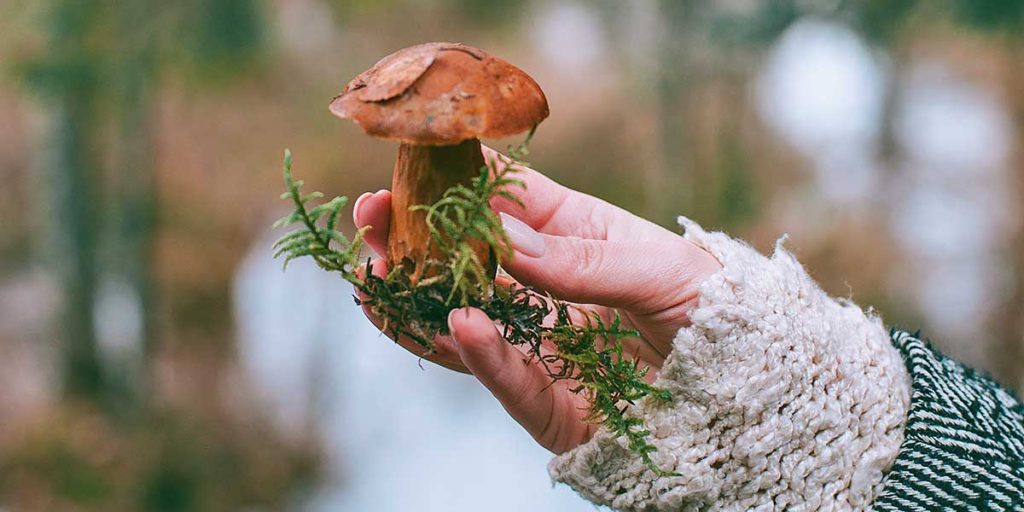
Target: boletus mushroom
{"points": [[437, 100]]}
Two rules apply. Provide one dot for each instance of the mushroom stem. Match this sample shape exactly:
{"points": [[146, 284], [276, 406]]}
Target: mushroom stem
{"points": [[421, 177]]}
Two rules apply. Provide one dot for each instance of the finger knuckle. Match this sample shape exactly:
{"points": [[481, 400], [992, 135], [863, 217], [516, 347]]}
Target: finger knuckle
{"points": [[588, 260]]}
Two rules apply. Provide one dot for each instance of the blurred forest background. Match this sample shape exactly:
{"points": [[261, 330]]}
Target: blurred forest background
{"points": [[153, 357]]}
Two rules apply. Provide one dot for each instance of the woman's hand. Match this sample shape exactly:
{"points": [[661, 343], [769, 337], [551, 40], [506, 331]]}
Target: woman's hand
{"points": [[580, 249]]}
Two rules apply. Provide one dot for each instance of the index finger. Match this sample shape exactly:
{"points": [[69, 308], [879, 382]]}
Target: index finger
{"points": [[554, 209]]}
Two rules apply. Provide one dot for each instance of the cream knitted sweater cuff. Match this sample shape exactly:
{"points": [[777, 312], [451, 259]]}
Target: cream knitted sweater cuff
{"points": [[783, 398]]}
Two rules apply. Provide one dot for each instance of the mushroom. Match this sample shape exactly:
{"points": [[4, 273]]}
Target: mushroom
{"points": [[438, 100]]}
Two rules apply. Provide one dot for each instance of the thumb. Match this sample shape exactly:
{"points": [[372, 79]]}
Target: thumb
{"points": [[552, 415], [641, 276]]}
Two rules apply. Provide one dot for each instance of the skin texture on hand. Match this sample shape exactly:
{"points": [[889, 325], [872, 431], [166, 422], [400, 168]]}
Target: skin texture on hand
{"points": [[580, 249]]}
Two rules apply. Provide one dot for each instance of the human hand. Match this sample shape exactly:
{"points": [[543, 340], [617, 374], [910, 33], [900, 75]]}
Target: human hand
{"points": [[580, 249]]}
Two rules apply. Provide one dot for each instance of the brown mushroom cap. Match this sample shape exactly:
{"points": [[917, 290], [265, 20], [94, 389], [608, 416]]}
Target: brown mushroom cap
{"points": [[442, 94]]}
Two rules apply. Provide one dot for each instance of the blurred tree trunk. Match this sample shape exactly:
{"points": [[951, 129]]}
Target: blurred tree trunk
{"points": [[668, 186], [133, 215], [70, 176], [68, 79], [74, 77], [890, 154]]}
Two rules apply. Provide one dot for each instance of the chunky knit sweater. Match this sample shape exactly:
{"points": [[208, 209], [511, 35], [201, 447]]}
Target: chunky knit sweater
{"points": [[786, 398]]}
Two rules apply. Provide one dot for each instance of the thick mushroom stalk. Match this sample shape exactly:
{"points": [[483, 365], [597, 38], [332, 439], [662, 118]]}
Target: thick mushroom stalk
{"points": [[422, 175], [438, 99]]}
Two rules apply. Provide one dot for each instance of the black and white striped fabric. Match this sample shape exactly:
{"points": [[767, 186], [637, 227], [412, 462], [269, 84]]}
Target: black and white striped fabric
{"points": [[964, 441]]}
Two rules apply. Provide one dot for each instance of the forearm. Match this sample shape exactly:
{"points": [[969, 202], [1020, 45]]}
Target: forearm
{"points": [[783, 396]]}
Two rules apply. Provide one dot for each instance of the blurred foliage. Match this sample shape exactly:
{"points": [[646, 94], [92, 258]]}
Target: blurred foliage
{"points": [[82, 44], [96, 68], [1002, 15], [171, 460], [221, 39], [485, 14], [737, 191], [97, 63], [880, 21]]}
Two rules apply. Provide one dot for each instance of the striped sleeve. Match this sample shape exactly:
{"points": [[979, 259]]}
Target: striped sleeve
{"points": [[964, 440]]}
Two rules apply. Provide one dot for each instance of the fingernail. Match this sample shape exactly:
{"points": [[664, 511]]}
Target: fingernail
{"points": [[524, 239], [451, 325]]}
